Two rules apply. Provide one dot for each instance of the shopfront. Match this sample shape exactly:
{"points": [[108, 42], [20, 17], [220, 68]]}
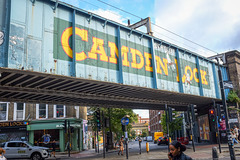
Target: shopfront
{"points": [[43, 132], [13, 130]]}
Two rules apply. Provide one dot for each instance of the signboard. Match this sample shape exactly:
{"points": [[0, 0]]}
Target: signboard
{"points": [[13, 124], [227, 85], [234, 120], [124, 121]]}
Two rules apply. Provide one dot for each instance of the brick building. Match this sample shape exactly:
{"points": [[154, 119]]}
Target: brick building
{"points": [[34, 122], [155, 121]]}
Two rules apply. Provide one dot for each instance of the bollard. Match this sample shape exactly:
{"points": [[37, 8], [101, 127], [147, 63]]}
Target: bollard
{"points": [[147, 147], [214, 153]]}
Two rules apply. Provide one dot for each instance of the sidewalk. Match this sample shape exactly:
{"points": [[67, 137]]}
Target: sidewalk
{"points": [[202, 152]]}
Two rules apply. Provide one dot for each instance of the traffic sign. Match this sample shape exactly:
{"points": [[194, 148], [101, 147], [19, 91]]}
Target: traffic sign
{"points": [[227, 85], [124, 121]]}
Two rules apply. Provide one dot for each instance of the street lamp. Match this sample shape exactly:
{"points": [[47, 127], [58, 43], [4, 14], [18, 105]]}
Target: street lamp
{"points": [[230, 143]]}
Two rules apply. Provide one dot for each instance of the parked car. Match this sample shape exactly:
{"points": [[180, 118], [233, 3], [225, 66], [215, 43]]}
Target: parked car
{"points": [[23, 149], [162, 140], [149, 139], [145, 138]]}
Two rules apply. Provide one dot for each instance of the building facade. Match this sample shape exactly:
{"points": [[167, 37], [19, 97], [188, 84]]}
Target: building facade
{"points": [[155, 121], [40, 124], [141, 125]]}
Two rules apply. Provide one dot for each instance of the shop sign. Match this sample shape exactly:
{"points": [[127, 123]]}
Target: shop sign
{"points": [[234, 120], [46, 138], [13, 124], [72, 125]]}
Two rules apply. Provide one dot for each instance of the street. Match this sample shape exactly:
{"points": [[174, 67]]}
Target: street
{"points": [[203, 151]]}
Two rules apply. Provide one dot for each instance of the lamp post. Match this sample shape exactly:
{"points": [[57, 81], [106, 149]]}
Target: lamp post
{"points": [[230, 143]]}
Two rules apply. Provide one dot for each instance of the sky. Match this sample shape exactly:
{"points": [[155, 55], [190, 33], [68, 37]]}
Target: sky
{"points": [[206, 27]]}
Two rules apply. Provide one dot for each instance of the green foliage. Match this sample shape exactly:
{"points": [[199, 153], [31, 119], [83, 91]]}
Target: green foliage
{"points": [[233, 97], [144, 133], [174, 125], [132, 134], [115, 114]]}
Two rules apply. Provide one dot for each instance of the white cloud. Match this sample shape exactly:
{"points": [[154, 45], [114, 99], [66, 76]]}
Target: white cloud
{"points": [[110, 14], [142, 113], [211, 23]]}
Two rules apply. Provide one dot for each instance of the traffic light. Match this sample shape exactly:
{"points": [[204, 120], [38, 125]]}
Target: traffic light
{"points": [[212, 115], [171, 114], [98, 118], [65, 126], [193, 109], [220, 112]]}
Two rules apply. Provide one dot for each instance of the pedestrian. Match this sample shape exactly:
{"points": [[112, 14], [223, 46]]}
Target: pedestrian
{"points": [[176, 151], [236, 132], [233, 136], [2, 152], [120, 143], [53, 148]]}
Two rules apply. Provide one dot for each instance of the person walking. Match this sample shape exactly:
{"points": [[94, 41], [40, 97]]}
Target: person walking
{"points": [[121, 146], [53, 148], [2, 152], [233, 136], [176, 151], [235, 129]]}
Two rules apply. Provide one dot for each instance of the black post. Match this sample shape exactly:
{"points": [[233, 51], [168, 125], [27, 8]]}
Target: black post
{"points": [[126, 137], [191, 125], [140, 147], [103, 130], [230, 142], [97, 142], [167, 120], [218, 136], [69, 138], [110, 130]]}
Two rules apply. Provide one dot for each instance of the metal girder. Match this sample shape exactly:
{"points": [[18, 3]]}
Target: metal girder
{"points": [[28, 86]]}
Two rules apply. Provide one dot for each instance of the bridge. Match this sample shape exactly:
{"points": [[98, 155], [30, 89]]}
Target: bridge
{"points": [[55, 53]]}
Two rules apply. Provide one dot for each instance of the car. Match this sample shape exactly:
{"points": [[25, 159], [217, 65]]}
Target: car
{"points": [[162, 140], [149, 139], [23, 149], [145, 138]]}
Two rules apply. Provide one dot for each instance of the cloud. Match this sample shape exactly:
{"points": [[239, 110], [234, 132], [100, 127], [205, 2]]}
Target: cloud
{"points": [[142, 113], [111, 15], [211, 23]]}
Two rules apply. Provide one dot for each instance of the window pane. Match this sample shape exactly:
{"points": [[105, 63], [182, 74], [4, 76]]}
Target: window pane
{"points": [[3, 107], [19, 114], [19, 106], [3, 111], [59, 110], [42, 106], [42, 113]]}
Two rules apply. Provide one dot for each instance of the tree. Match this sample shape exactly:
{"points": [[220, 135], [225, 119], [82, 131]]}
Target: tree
{"points": [[133, 134], [115, 114], [176, 124], [144, 133]]}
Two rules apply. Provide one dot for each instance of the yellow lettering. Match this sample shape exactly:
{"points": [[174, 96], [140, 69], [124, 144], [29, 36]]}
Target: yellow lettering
{"points": [[134, 63], [124, 51], [203, 76], [195, 70], [66, 47], [113, 52], [97, 48], [177, 77], [148, 56], [164, 66]]}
